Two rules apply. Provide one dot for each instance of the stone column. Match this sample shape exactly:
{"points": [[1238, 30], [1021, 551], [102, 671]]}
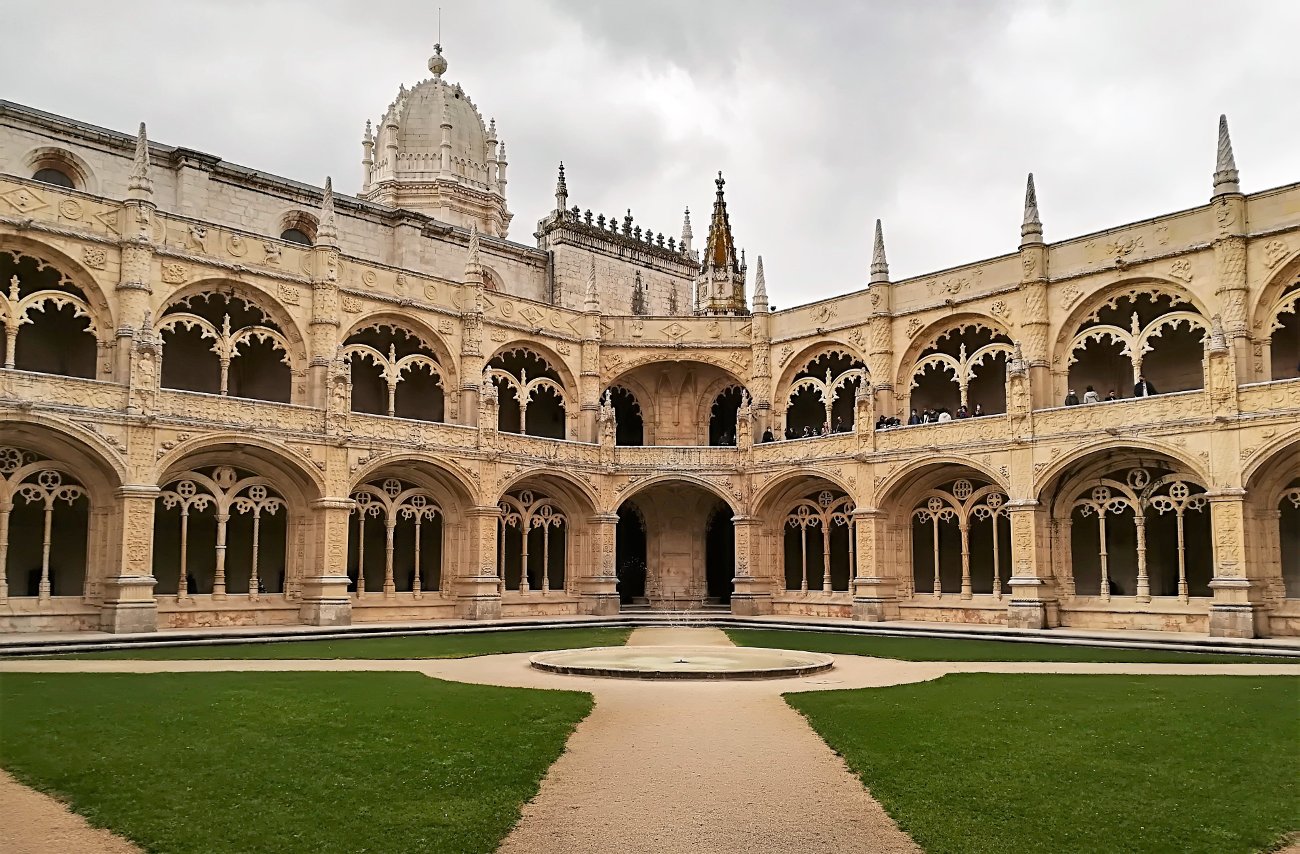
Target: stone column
{"points": [[598, 581], [478, 592], [324, 588], [875, 584], [750, 595], [1033, 603], [1238, 609], [128, 604]]}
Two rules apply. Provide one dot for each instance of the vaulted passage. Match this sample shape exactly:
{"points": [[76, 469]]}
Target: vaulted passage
{"points": [[675, 547]]}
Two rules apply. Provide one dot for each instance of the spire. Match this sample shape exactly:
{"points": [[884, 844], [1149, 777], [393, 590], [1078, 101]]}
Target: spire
{"points": [[561, 192], [1031, 230], [720, 250], [472, 266], [687, 234], [592, 302], [327, 233], [879, 267], [444, 149], [140, 185], [760, 287], [1225, 166]]}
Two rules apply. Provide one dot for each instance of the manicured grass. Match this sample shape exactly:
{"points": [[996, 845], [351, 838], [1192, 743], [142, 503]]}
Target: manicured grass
{"points": [[286, 762], [956, 649], [976, 763], [406, 646]]}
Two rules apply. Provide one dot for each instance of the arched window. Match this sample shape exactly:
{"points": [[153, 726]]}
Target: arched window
{"points": [[44, 523], [723, 415], [220, 530], [1144, 532], [1284, 334], [961, 540], [531, 394], [55, 176], [822, 395], [1288, 521], [401, 549], [294, 235], [222, 344], [394, 372], [819, 543], [49, 325], [298, 227], [531, 545], [964, 367], [629, 426], [1138, 334]]}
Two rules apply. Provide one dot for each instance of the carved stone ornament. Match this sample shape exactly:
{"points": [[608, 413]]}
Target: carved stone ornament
{"points": [[914, 326], [272, 251], [93, 257], [1000, 309], [70, 209], [1181, 270], [173, 273], [1274, 252], [351, 304], [236, 245], [1070, 295], [1028, 262], [289, 295]]}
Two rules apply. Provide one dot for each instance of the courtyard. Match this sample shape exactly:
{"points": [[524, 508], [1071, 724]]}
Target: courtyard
{"points": [[453, 743]]}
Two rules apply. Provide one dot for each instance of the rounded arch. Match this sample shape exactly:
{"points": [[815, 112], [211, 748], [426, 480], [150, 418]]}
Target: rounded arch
{"points": [[293, 474], [929, 334], [296, 219], [99, 466], [548, 355], [491, 279], [709, 486], [1284, 277], [920, 475], [425, 469], [1130, 446], [413, 325], [558, 483], [1269, 465], [1152, 286], [810, 353], [787, 487], [53, 157], [268, 304], [76, 274]]}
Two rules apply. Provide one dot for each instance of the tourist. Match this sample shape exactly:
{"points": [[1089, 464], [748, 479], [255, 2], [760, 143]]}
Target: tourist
{"points": [[767, 436], [839, 424], [882, 422], [1090, 395], [944, 415], [1072, 399], [979, 410], [789, 431], [963, 412], [807, 432], [913, 418], [1143, 388], [1110, 396]]}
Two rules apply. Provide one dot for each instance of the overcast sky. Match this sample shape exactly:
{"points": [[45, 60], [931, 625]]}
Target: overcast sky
{"points": [[822, 115]]}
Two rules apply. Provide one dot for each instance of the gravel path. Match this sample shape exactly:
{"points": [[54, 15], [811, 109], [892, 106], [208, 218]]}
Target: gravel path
{"points": [[35, 823], [656, 767]]}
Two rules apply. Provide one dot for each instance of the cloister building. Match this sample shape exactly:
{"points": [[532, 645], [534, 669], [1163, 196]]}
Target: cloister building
{"points": [[232, 399]]}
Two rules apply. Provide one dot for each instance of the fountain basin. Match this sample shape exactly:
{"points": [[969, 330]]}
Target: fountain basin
{"points": [[683, 662]]}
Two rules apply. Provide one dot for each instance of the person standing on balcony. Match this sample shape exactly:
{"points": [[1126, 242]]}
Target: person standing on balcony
{"points": [[1143, 388], [1091, 396], [1072, 399]]}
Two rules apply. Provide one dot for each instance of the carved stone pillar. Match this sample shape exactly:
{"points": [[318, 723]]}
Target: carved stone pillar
{"points": [[1230, 268], [128, 604], [589, 378], [478, 590], [750, 595], [1033, 603], [323, 331], [880, 360], [324, 587], [875, 584], [1238, 609], [133, 287], [598, 579]]}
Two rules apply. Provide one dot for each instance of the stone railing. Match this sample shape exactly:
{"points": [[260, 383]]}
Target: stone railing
{"points": [[49, 389], [678, 457], [214, 409]]}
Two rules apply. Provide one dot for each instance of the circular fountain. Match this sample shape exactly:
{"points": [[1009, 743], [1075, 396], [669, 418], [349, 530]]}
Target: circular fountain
{"points": [[683, 662]]}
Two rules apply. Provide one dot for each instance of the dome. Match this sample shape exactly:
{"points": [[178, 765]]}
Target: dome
{"points": [[420, 115]]}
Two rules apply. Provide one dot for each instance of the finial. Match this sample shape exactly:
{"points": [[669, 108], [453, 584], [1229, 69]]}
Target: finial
{"points": [[140, 185], [327, 233], [1031, 230], [370, 134], [1225, 166], [471, 256], [492, 128], [437, 63], [561, 191], [592, 301], [879, 266], [760, 287], [720, 182]]}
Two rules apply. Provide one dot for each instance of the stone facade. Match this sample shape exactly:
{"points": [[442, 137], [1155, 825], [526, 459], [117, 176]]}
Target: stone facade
{"points": [[206, 420]]}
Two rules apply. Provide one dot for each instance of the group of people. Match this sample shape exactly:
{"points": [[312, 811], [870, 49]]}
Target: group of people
{"points": [[1142, 388], [943, 415]]}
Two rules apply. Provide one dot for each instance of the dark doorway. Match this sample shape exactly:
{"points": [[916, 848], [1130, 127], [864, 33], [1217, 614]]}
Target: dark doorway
{"points": [[630, 554], [720, 555]]}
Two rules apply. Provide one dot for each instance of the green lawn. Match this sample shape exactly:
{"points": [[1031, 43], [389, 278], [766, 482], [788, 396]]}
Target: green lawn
{"points": [[405, 646], [1057, 764], [956, 649], [286, 762]]}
